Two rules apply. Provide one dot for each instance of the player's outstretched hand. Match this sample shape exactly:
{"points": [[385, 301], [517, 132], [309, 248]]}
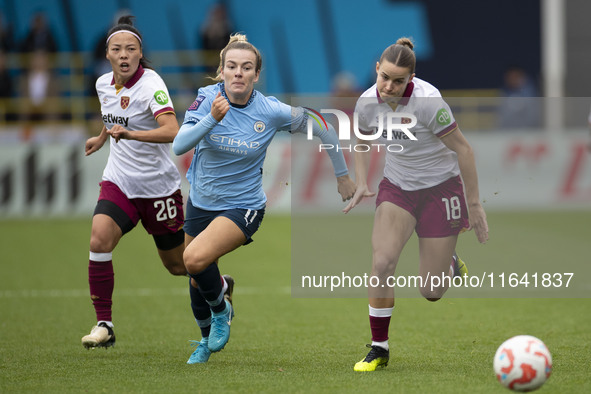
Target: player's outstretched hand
{"points": [[346, 187], [478, 222], [93, 144], [219, 107], [360, 194]]}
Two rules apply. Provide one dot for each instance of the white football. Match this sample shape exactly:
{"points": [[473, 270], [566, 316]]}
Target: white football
{"points": [[522, 363]]}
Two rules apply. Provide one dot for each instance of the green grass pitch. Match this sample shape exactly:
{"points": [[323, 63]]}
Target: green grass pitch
{"points": [[279, 343]]}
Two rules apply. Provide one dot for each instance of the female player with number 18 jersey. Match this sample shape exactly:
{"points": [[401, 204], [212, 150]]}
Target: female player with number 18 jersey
{"points": [[422, 189]]}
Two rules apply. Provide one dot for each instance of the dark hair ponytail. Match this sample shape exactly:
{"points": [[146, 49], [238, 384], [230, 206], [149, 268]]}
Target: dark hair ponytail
{"points": [[401, 54], [126, 23]]}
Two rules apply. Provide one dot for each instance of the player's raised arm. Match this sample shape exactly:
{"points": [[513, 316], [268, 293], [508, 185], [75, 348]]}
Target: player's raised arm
{"points": [[191, 133]]}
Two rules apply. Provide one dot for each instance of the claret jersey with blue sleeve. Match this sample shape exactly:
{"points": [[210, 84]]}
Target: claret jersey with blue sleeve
{"points": [[226, 170]]}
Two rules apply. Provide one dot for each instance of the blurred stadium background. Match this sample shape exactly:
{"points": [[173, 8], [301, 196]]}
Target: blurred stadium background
{"points": [[316, 48]]}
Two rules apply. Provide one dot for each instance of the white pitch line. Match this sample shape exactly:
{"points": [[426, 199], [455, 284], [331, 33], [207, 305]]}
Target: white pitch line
{"points": [[142, 292]]}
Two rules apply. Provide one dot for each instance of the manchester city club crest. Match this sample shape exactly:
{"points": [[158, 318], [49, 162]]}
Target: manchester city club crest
{"points": [[259, 126], [124, 102]]}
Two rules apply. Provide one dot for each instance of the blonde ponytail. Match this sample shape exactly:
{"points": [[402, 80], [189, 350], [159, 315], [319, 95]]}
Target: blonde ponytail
{"points": [[238, 41]]}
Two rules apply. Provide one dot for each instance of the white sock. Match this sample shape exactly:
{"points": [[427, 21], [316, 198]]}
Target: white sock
{"points": [[381, 344], [380, 312], [108, 323], [224, 285]]}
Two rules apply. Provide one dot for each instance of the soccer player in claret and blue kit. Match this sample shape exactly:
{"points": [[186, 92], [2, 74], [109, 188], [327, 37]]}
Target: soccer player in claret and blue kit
{"points": [[422, 189], [140, 180], [230, 125]]}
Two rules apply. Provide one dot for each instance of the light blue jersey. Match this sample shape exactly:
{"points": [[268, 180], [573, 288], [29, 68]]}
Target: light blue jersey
{"points": [[227, 166]]}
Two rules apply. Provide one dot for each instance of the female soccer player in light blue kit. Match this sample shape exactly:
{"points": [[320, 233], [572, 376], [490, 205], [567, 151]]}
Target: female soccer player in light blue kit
{"points": [[230, 125]]}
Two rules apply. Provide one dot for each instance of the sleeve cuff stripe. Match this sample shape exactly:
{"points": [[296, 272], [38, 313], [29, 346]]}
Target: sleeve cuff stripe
{"points": [[448, 130], [163, 111]]}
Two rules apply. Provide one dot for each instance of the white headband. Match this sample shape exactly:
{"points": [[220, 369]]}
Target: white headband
{"points": [[125, 31]]}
